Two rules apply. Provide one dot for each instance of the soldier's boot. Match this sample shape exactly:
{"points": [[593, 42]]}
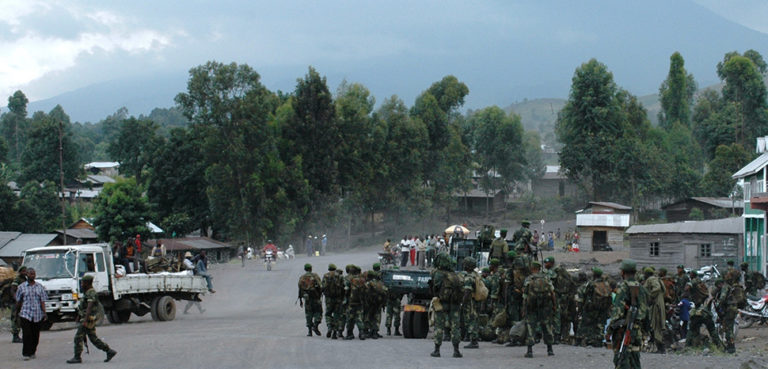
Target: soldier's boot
{"points": [[373, 335], [389, 331], [309, 332], [456, 352], [362, 336], [731, 349], [316, 329], [350, 335], [436, 353], [333, 335], [75, 360], [328, 334], [397, 331], [16, 339], [529, 353], [549, 351], [472, 345], [660, 348], [378, 335], [110, 354]]}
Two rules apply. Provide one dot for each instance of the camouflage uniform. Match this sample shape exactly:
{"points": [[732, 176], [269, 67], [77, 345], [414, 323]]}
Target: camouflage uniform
{"points": [[538, 308], [564, 285], [499, 249], [89, 329], [355, 298], [620, 313], [701, 315], [727, 310], [333, 290], [372, 309], [393, 312], [522, 239], [681, 280], [594, 313], [469, 308], [15, 329], [451, 305], [313, 307]]}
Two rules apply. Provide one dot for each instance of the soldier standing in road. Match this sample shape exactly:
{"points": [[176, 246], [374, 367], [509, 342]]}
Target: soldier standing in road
{"points": [[20, 278], [594, 299], [89, 311], [393, 312], [310, 293], [522, 238], [727, 310], [656, 308], [701, 314], [469, 305], [538, 307], [354, 289], [629, 307], [499, 246], [333, 290], [376, 298], [447, 286], [564, 284]]}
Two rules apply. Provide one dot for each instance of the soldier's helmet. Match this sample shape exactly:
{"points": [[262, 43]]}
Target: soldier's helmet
{"points": [[331, 267], [443, 261], [469, 263], [628, 266], [308, 267], [526, 223]]}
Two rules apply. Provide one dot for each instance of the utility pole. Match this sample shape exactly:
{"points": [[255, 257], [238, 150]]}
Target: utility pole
{"points": [[61, 181]]}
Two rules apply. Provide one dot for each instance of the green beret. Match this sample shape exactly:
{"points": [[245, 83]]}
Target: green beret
{"points": [[536, 264], [331, 266], [526, 222], [694, 273], [469, 262], [307, 266], [729, 262], [511, 254], [597, 271], [681, 266], [377, 266], [494, 261], [662, 270], [486, 270], [87, 278], [628, 265], [745, 264], [549, 259], [348, 268], [647, 270], [503, 232]]}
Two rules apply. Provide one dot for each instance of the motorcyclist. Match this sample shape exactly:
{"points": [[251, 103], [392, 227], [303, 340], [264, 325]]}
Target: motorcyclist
{"points": [[269, 246]]}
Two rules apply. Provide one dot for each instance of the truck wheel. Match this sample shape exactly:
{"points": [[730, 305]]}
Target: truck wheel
{"points": [[420, 325], [112, 317], [408, 324], [166, 308], [153, 308], [123, 316]]}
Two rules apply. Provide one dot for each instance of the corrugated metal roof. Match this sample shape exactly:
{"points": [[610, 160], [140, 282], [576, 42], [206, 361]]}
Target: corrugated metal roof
{"points": [[24, 242], [102, 164], [752, 167], [190, 243], [734, 225], [6, 237], [611, 205], [721, 202], [477, 193], [97, 178], [602, 220], [83, 233]]}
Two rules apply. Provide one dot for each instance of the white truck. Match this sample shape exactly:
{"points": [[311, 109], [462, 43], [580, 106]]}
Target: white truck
{"points": [[60, 268]]}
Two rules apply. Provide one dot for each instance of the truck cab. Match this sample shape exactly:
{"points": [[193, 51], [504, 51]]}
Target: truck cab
{"points": [[60, 268]]}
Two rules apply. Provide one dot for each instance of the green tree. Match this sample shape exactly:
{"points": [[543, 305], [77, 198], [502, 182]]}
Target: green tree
{"points": [[38, 209], [714, 122], [134, 146], [8, 216], [728, 159], [534, 157], [40, 161], [676, 94], [14, 124], [121, 211], [745, 89]]}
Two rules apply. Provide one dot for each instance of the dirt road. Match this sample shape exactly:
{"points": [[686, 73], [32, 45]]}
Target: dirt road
{"points": [[252, 322]]}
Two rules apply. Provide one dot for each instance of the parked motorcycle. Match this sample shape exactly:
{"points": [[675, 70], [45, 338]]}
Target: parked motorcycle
{"points": [[756, 311], [269, 259], [708, 274]]}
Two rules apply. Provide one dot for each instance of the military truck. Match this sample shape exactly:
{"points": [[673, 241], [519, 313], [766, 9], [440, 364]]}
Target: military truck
{"points": [[415, 285]]}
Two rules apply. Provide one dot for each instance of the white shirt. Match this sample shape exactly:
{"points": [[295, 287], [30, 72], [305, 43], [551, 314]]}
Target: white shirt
{"points": [[404, 246]]}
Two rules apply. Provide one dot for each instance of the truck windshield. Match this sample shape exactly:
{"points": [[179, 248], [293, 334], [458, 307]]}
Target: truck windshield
{"points": [[51, 264]]}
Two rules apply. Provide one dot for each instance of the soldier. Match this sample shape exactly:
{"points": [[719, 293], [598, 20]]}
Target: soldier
{"points": [[447, 287], [376, 298], [522, 238], [89, 311], [538, 307], [494, 291], [20, 278], [333, 290], [594, 299], [499, 246], [656, 308], [701, 314], [727, 310], [681, 280], [628, 311], [732, 275], [345, 317], [564, 284], [354, 289], [393, 312], [310, 293], [469, 305]]}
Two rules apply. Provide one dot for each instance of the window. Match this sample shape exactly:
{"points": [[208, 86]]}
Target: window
{"points": [[705, 250], [100, 262], [654, 250], [86, 264], [758, 187], [747, 191]]}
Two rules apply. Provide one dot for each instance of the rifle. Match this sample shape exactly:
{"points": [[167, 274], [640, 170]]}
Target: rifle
{"points": [[85, 343], [631, 315]]}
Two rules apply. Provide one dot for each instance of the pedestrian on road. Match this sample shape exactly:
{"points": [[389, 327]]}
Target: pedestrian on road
{"points": [[324, 245], [30, 303], [241, 254], [539, 306], [89, 312], [308, 246], [20, 278]]}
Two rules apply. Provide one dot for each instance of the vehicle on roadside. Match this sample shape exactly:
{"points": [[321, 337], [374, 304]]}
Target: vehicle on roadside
{"points": [[756, 311], [269, 259], [415, 285], [60, 269]]}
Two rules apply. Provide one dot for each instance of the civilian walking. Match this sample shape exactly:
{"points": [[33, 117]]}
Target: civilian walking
{"points": [[30, 304]]}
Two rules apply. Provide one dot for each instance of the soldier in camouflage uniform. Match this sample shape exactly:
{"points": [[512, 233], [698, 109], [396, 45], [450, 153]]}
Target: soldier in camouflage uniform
{"points": [[20, 278], [727, 310], [681, 280], [499, 246], [563, 284], [345, 301], [354, 289], [657, 312], [493, 304], [447, 286], [469, 305], [333, 290], [538, 307], [733, 274], [373, 308], [594, 307], [393, 312], [89, 311], [523, 238], [310, 294], [630, 296], [701, 314]]}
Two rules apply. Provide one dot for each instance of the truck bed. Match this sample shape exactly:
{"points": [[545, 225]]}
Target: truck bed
{"points": [[407, 281], [159, 282]]}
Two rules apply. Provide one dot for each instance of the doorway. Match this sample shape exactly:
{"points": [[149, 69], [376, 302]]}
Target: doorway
{"points": [[599, 240]]}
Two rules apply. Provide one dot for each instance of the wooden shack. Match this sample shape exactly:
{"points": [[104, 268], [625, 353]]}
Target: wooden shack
{"points": [[710, 207], [692, 243], [601, 226]]}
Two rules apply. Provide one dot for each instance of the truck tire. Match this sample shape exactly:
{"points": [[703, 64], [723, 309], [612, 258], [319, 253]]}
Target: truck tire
{"points": [[166, 308], [153, 308], [123, 316], [420, 325], [112, 317], [408, 324]]}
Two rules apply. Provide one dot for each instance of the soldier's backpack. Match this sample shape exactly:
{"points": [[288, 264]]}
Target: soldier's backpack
{"points": [[738, 297], [357, 288], [601, 297], [334, 285], [377, 293], [451, 290], [521, 271], [308, 284], [481, 291], [540, 290]]}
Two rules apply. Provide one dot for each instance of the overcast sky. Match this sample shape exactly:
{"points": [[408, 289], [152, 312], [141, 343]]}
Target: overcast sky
{"points": [[48, 47]]}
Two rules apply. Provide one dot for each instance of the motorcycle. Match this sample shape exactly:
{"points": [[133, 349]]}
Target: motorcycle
{"points": [[708, 274], [756, 311], [269, 259]]}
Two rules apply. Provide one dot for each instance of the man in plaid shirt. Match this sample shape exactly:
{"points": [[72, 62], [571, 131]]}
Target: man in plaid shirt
{"points": [[30, 304]]}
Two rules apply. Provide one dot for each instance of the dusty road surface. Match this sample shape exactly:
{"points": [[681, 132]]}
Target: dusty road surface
{"points": [[252, 322]]}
